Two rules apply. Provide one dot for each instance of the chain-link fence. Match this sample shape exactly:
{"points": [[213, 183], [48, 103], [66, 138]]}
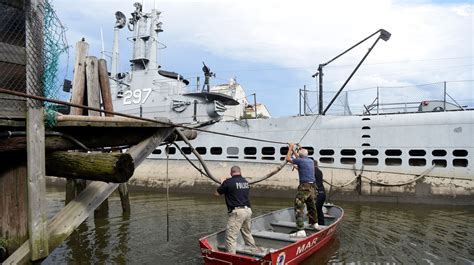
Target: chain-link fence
{"points": [[12, 58], [440, 96], [31, 43]]}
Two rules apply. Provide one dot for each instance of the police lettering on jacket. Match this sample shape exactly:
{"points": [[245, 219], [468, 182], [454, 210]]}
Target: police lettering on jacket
{"points": [[242, 185]]}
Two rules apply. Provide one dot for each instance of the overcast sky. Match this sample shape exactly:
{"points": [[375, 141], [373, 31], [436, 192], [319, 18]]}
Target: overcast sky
{"points": [[273, 47]]}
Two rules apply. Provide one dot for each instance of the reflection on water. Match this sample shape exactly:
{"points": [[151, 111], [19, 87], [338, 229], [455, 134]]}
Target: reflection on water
{"points": [[369, 233]]}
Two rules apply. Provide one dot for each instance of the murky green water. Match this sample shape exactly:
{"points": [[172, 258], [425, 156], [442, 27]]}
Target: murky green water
{"points": [[369, 233]]}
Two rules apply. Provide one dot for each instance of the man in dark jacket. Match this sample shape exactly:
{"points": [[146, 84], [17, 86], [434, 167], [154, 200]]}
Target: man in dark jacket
{"points": [[236, 191], [321, 197]]}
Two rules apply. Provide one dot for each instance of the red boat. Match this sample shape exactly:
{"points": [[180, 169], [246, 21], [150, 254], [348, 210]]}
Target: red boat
{"points": [[272, 236]]}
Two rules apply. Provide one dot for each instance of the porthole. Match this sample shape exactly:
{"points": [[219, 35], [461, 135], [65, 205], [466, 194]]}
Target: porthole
{"points": [[326, 160], [250, 151], [393, 152], [268, 158], [283, 150], [417, 152], [460, 162], [393, 161], [366, 128], [171, 150], [216, 150], [326, 152], [372, 152], [250, 157], [348, 160], [459, 152], [157, 152], [232, 150], [417, 162], [348, 152], [439, 163], [186, 150], [370, 161], [201, 150], [365, 136], [268, 151], [439, 152]]}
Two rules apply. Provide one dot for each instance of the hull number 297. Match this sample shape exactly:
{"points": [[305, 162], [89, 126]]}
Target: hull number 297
{"points": [[137, 96]]}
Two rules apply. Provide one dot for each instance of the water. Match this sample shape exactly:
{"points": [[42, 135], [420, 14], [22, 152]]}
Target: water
{"points": [[369, 233]]}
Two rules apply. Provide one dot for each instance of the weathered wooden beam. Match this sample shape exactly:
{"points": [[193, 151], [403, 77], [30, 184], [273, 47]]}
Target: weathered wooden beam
{"points": [[142, 150], [92, 85], [37, 217], [93, 100], [77, 120], [107, 167], [74, 137], [190, 135], [13, 201], [79, 79], [105, 87], [107, 102], [68, 219], [73, 214], [124, 199]]}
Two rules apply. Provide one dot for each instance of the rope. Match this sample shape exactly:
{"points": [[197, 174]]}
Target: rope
{"points": [[207, 172], [402, 183], [423, 174], [167, 196]]}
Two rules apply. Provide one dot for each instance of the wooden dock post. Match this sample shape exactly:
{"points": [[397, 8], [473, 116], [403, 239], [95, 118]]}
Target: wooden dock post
{"points": [[13, 201], [75, 186], [35, 133], [107, 101], [93, 100], [79, 79]]}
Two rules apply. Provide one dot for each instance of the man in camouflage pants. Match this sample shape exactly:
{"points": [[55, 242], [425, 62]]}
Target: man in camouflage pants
{"points": [[305, 195]]}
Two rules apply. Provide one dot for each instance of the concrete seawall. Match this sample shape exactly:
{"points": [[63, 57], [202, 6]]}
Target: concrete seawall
{"points": [[183, 178]]}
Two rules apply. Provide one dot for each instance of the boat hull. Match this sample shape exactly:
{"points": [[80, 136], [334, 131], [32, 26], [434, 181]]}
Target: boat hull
{"points": [[292, 253]]}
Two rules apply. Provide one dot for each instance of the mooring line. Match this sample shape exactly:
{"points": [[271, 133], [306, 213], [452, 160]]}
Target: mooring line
{"points": [[167, 196]]}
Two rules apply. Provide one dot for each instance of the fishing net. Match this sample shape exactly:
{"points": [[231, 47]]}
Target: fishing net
{"points": [[55, 45]]}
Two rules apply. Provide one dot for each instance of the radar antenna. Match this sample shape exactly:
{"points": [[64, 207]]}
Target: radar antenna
{"points": [[121, 20]]}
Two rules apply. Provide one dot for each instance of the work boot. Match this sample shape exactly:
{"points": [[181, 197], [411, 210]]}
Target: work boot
{"points": [[299, 233]]}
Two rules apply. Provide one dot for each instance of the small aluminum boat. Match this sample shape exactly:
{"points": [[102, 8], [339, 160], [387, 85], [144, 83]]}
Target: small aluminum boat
{"points": [[272, 237]]}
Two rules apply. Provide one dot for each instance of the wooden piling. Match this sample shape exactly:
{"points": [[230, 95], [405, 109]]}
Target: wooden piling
{"points": [[73, 187], [107, 101], [79, 81], [92, 84], [93, 100], [105, 87], [13, 201], [35, 133]]}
